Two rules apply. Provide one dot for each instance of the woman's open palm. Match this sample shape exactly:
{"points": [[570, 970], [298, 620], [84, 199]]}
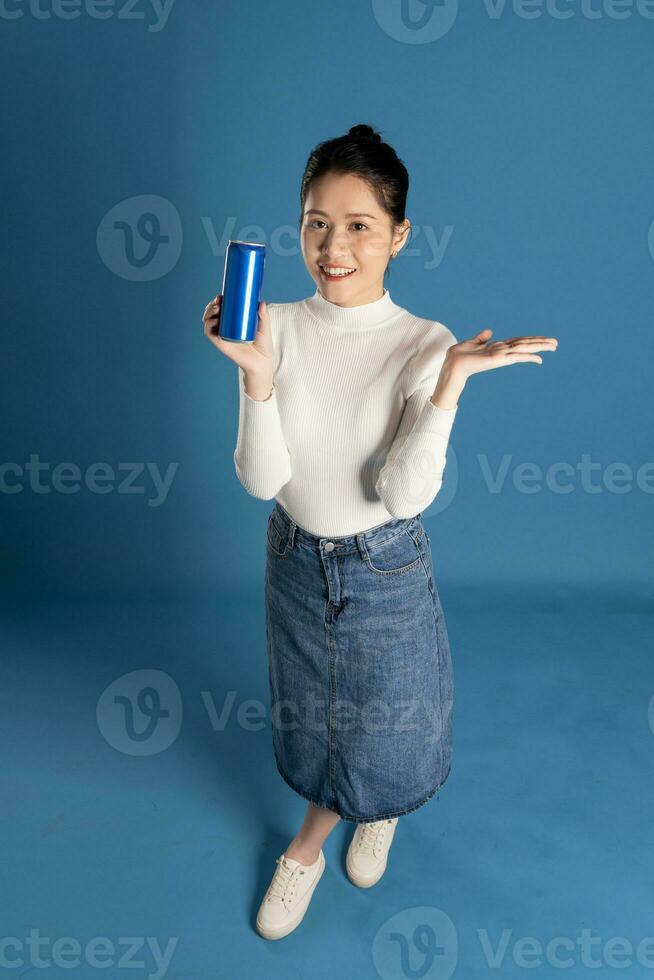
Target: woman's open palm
{"points": [[256, 357], [478, 354]]}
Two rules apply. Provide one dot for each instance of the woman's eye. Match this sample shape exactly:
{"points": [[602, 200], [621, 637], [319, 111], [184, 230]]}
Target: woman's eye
{"points": [[317, 221]]}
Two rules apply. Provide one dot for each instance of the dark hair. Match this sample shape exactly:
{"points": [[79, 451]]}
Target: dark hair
{"points": [[363, 153]]}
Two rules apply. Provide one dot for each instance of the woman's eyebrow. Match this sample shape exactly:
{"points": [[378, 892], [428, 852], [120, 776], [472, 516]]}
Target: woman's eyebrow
{"points": [[352, 214]]}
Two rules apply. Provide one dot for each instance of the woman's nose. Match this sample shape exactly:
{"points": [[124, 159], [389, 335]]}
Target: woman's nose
{"points": [[334, 245]]}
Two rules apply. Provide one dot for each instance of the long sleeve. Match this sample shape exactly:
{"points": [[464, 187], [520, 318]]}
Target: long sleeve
{"points": [[412, 473], [261, 457]]}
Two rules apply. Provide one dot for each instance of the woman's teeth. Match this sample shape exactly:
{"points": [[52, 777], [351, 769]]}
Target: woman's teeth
{"points": [[337, 272]]}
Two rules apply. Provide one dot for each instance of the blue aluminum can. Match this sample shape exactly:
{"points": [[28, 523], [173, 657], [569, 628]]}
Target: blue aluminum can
{"points": [[242, 278]]}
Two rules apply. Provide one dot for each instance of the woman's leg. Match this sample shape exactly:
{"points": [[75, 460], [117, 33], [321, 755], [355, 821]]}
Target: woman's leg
{"points": [[316, 828]]}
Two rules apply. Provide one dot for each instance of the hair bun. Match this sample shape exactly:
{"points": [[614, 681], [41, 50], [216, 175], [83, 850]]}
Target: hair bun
{"points": [[364, 133]]}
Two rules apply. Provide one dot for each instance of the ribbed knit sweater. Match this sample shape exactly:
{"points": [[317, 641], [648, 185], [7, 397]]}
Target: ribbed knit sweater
{"points": [[349, 436]]}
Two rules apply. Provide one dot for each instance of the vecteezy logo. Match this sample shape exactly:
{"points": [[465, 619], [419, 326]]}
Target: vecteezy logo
{"points": [[415, 21], [140, 713], [418, 942], [140, 238]]}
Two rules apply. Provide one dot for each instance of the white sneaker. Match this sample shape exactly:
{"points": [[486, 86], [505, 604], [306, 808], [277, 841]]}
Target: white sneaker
{"points": [[288, 896], [367, 854]]}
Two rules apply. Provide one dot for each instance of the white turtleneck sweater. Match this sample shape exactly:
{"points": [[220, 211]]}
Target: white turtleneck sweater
{"points": [[349, 437]]}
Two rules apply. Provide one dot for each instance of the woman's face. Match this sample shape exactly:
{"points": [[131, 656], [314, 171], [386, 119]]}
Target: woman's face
{"points": [[344, 228]]}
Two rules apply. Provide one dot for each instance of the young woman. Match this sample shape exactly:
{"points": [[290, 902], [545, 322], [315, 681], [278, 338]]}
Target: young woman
{"points": [[346, 404]]}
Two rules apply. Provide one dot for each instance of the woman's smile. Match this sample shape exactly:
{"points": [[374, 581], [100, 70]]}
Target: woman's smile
{"points": [[333, 272]]}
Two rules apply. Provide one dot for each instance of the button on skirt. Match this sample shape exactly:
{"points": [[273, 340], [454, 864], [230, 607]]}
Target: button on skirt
{"points": [[360, 672]]}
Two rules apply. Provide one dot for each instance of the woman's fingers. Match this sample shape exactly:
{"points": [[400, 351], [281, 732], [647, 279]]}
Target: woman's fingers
{"points": [[502, 354], [210, 316], [213, 306], [529, 339], [505, 358], [529, 346], [264, 319]]}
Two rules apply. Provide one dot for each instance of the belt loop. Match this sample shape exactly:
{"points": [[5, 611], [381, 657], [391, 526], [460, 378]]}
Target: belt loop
{"points": [[291, 535], [361, 544]]}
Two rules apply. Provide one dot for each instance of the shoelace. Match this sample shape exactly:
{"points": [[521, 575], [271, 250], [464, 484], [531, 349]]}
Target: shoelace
{"points": [[282, 879], [372, 834]]}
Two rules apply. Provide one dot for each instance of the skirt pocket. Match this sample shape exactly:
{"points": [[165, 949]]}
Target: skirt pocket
{"points": [[278, 537], [397, 555]]}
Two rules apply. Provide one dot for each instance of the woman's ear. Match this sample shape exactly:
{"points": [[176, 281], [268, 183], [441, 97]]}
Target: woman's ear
{"points": [[402, 236]]}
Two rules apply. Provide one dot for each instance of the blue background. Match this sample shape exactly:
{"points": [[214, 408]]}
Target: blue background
{"points": [[528, 140]]}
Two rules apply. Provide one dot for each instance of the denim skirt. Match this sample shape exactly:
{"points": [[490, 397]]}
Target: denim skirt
{"points": [[360, 672]]}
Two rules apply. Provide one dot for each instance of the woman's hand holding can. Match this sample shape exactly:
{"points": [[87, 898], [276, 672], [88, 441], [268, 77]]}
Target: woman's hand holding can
{"points": [[255, 358]]}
